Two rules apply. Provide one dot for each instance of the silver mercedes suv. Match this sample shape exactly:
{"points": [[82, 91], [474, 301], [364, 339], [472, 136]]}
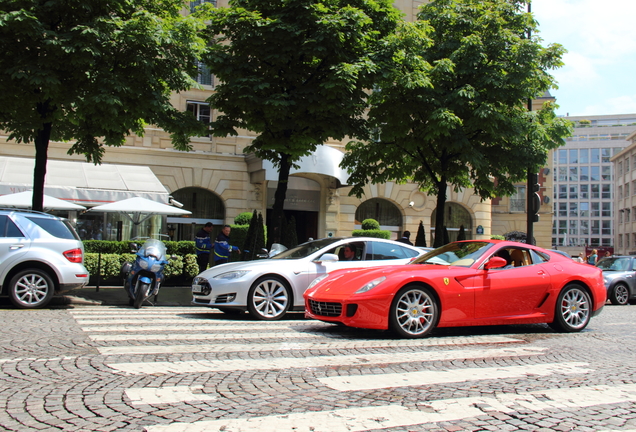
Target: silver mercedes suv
{"points": [[40, 255]]}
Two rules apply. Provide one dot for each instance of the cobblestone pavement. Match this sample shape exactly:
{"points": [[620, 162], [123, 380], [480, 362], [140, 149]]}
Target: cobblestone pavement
{"points": [[100, 368]]}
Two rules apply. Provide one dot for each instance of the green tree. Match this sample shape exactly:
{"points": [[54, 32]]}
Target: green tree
{"points": [[296, 74], [450, 108], [420, 238], [94, 72], [254, 240]]}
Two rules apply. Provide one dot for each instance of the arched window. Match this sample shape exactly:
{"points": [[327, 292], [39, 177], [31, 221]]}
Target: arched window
{"points": [[385, 212], [455, 216], [205, 207]]}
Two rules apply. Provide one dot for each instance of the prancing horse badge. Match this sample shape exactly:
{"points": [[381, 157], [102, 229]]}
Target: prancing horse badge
{"points": [[446, 281]]}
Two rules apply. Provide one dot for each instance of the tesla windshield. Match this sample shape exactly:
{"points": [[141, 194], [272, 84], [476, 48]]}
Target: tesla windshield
{"points": [[306, 249]]}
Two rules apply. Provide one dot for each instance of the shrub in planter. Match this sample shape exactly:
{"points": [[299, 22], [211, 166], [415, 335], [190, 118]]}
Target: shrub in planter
{"points": [[370, 224], [383, 234]]}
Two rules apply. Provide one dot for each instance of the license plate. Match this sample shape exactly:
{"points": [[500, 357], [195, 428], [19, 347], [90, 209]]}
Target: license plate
{"points": [[197, 289]]}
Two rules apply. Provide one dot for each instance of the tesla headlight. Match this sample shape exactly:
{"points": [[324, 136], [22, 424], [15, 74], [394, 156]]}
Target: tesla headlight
{"points": [[234, 274], [318, 279], [374, 283]]}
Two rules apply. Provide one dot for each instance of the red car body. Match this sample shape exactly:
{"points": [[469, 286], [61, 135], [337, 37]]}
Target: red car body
{"points": [[477, 288]]}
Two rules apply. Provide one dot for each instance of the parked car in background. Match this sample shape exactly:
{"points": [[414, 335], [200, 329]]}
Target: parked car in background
{"points": [[465, 283], [268, 288], [619, 275], [40, 255]]}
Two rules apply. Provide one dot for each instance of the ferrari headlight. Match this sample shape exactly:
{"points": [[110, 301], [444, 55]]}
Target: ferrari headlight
{"points": [[374, 283], [318, 279], [234, 274]]}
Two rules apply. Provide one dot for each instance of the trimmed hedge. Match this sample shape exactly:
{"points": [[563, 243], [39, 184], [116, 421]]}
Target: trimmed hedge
{"points": [[180, 267], [377, 233]]}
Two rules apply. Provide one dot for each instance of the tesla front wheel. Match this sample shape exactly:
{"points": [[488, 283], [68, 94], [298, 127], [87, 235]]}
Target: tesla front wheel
{"points": [[619, 295], [269, 298], [573, 309], [31, 288], [414, 312], [141, 294]]}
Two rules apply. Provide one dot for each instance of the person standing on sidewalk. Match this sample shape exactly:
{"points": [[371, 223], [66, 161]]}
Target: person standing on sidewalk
{"points": [[222, 247], [203, 246]]}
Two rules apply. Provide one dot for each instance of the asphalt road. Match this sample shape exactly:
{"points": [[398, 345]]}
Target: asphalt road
{"points": [[95, 367]]}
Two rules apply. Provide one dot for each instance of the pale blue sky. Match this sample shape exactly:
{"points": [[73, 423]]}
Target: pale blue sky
{"points": [[599, 76]]}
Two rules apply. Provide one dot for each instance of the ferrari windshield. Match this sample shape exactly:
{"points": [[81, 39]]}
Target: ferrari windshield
{"points": [[462, 254], [306, 249]]}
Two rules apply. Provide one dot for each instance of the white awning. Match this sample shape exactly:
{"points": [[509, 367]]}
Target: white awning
{"points": [[83, 183], [325, 160]]}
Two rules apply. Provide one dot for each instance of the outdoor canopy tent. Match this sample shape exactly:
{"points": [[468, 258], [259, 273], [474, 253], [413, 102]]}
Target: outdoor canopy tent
{"points": [[25, 200]]}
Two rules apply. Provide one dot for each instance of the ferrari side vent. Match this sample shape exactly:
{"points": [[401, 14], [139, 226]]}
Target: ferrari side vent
{"points": [[325, 308]]}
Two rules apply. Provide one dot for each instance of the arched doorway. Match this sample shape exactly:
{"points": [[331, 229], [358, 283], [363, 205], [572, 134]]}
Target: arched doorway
{"points": [[385, 212], [205, 207], [455, 216]]}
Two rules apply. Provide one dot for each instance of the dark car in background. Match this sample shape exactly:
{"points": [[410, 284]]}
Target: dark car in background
{"points": [[619, 276]]}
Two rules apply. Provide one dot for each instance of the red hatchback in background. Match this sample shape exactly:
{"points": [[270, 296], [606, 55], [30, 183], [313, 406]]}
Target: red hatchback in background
{"points": [[467, 283]]}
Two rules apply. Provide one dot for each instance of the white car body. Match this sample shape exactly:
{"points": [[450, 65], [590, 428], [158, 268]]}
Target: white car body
{"points": [[268, 288]]}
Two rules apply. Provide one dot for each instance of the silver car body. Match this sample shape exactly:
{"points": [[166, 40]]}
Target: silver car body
{"points": [[33, 247], [261, 286], [619, 276]]}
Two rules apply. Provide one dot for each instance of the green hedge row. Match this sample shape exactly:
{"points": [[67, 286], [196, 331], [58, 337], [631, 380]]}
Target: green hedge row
{"points": [[377, 233], [110, 267]]}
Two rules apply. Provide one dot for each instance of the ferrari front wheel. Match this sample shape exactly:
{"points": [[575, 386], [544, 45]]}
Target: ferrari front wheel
{"points": [[414, 312], [573, 309]]}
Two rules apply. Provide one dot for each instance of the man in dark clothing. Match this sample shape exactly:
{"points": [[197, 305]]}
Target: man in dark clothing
{"points": [[203, 246], [405, 238], [222, 247]]}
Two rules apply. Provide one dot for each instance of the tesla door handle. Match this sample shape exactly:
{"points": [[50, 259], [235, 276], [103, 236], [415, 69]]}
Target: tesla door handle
{"points": [[16, 246]]}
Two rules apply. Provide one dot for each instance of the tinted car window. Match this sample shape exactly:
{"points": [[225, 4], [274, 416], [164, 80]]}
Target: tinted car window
{"points": [[55, 227], [8, 228], [387, 251]]}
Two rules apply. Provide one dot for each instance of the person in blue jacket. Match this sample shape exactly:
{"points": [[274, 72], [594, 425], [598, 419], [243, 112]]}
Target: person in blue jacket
{"points": [[222, 247], [203, 246]]}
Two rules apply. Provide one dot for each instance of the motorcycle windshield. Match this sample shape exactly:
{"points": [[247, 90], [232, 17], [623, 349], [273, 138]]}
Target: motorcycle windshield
{"points": [[154, 248]]}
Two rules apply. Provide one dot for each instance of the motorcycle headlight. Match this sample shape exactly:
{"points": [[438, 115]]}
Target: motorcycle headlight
{"points": [[374, 283], [143, 264], [156, 268], [234, 274]]}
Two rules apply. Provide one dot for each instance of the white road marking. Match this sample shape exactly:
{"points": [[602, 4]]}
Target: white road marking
{"points": [[378, 417], [376, 381], [301, 346], [176, 327], [199, 336], [166, 395], [317, 361]]}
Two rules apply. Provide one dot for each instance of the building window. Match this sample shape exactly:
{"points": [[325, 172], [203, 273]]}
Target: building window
{"points": [[620, 192], [574, 158], [596, 174], [607, 191], [574, 174], [385, 212], [563, 174], [585, 227], [633, 187], [518, 200], [606, 174], [596, 191], [574, 192], [596, 227], [584, 156], [563, 157], [607, 228], [595, 156], [573, 230], [620, 168], [574, 209], [585, 191], [585, 173], [200, 110], [607, 209], [584, 209], [195, 3], [563, 192], [606, 154], [563, 209], [627, 164], [620, 240], [595, 210], [626, 190], [204, 76]]}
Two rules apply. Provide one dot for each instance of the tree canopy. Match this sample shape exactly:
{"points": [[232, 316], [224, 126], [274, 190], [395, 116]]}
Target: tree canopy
{"points": [[94, 72], [450, 107], [295, 73]]}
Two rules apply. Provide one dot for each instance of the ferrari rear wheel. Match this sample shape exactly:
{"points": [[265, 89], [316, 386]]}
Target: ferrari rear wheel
{"points": [[269, 298], [414, 312], [620, 294], [573, 309]]}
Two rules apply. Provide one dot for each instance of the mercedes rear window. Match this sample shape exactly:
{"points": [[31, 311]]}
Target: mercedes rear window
{"points": [[57, 228]]}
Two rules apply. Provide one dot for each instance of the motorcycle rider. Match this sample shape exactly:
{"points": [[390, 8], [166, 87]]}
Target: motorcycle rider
{"points": [[222, 247], [203, 246]]}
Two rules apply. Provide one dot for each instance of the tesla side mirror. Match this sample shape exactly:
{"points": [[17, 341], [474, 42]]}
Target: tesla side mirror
{"points": [[328, 258], [495, 262]]}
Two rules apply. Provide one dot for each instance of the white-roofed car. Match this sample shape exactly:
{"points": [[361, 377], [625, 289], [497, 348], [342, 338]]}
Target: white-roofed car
{"points": [[269, 288]]}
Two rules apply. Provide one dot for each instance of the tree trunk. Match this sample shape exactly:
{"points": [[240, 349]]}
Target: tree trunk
{"points": [[274, 226], [439, 214]]}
